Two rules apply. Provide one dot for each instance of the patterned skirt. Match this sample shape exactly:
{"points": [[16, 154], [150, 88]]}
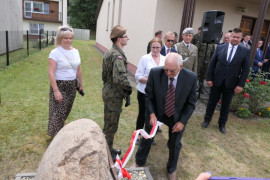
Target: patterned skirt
{"points": [[58, 112]]}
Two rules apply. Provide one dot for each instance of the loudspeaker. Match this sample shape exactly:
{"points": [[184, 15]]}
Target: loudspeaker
{"points": [[212, 26]]}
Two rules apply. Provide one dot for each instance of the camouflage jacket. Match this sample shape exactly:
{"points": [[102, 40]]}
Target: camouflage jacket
{"points": [[191, 53], [196, 39], [114, 73]]}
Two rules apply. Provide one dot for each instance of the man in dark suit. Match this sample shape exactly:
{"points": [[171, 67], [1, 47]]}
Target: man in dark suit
{"points": [[258, 60], [227, 74], [168, 44], [170, 98]]}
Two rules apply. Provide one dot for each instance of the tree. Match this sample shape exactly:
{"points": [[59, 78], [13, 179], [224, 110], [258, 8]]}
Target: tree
{"points": [[82, 13]]}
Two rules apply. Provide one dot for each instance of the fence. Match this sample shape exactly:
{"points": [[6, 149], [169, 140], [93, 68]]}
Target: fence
{"points": [[81, 34], [17, 45]]}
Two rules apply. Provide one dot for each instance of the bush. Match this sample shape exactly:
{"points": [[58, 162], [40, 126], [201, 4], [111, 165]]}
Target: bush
{"points": [[256, 92], [265, 112], [237, 101], [243, 113]]}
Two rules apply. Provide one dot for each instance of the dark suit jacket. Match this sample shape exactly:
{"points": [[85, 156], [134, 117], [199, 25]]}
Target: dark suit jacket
{"points": [[258, 58], [185, 94], [163, 51], [235, 73]]}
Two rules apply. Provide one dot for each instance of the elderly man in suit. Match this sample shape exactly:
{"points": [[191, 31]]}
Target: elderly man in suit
{"points": [[266, 63], [227, 74], [168, 44], [245, 41], [188, 51], [170, 98]]}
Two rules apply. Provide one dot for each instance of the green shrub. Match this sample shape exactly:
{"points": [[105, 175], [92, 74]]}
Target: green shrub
{"points": [[257, 92], [243, 113], [265, 112]]}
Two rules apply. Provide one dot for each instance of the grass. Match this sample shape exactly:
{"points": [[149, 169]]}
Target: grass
{"points": [[24, 87]]}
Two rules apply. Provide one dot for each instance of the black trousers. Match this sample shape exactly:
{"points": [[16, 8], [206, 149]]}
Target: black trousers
{"points": [[141, 116], [174, 144], [215, 93]]}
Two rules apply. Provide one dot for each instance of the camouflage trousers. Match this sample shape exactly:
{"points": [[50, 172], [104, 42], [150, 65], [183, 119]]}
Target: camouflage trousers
{"points": [[112, 110]]}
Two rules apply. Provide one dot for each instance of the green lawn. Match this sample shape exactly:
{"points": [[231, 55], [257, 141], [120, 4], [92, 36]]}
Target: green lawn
{"points": [[24, 87]]}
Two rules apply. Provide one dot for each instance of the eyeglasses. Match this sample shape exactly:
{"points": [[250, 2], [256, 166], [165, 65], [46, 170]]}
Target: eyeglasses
{"points": [[169, 40], [155, 47], [170, 70], [65, 29]]}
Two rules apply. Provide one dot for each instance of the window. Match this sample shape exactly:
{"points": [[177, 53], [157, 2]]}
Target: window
{"points": [[27, 9], [35, 28], [46, 8], [35, 7]]}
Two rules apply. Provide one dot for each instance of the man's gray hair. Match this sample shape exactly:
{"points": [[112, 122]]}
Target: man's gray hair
{"points": [[188, 30], [177, 56]]}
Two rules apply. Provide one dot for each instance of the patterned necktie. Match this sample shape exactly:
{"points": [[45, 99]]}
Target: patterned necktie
{"points": [[170, 99], [168, 50], [187, 46], [230, 56], [246, 45]]}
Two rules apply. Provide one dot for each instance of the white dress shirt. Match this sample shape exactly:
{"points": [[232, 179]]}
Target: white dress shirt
{"points": [[146, 64], [229, 50]]}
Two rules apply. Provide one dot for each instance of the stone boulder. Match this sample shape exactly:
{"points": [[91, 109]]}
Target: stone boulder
{"points": [[78, 152]]}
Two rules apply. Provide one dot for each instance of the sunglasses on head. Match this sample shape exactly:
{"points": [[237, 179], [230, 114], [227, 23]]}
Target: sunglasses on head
{"points": [[169, 40], [65, 29]]}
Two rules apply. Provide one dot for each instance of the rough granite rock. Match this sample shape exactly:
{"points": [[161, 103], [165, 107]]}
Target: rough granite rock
{"points": [[78, 151]]}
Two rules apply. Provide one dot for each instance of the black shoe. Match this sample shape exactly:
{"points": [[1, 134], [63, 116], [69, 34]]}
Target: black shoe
{"points": [[159, 130], [222, 129], [205, 124], [154, 143], [116, 151]]}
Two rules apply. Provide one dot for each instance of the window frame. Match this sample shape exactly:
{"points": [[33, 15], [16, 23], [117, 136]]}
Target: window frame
{"points": [[37, 10], [37, 29]]}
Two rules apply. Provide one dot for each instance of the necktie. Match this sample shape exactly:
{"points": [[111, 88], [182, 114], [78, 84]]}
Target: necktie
{"points": [[246, 45], [168, 50], [170, 99], [230, 56], [187, 46]]}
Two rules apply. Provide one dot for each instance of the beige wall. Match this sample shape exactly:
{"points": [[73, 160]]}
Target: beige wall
{"points": [[233, 15], [143, 17], [137, 16], [169, 15]]}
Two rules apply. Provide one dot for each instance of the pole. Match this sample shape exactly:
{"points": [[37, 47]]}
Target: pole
{"points": [[7, 49], [27, 42], [47, 39], [40, 40]]}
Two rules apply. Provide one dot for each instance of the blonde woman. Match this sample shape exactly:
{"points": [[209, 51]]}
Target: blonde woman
{"points": [[64, 66]]}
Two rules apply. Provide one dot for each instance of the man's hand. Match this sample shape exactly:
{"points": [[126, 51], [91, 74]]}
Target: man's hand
{"points": [[260, 64], [153, 119], [265, 60], [238, 89], [178, 127], [209, 83]]}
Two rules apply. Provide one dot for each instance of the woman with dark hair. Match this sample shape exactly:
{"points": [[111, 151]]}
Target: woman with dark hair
{"points": [[64, 67], [147, 62]]}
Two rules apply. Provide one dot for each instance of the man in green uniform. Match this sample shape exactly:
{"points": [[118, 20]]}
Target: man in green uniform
{"points": [[116, 84], [197, 37]]}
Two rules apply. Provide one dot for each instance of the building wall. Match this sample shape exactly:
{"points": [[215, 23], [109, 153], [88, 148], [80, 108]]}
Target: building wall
{"points": [[48, 26], [233, 15], [142, 18], [138, 16], [169, 15], [11, 20]]}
